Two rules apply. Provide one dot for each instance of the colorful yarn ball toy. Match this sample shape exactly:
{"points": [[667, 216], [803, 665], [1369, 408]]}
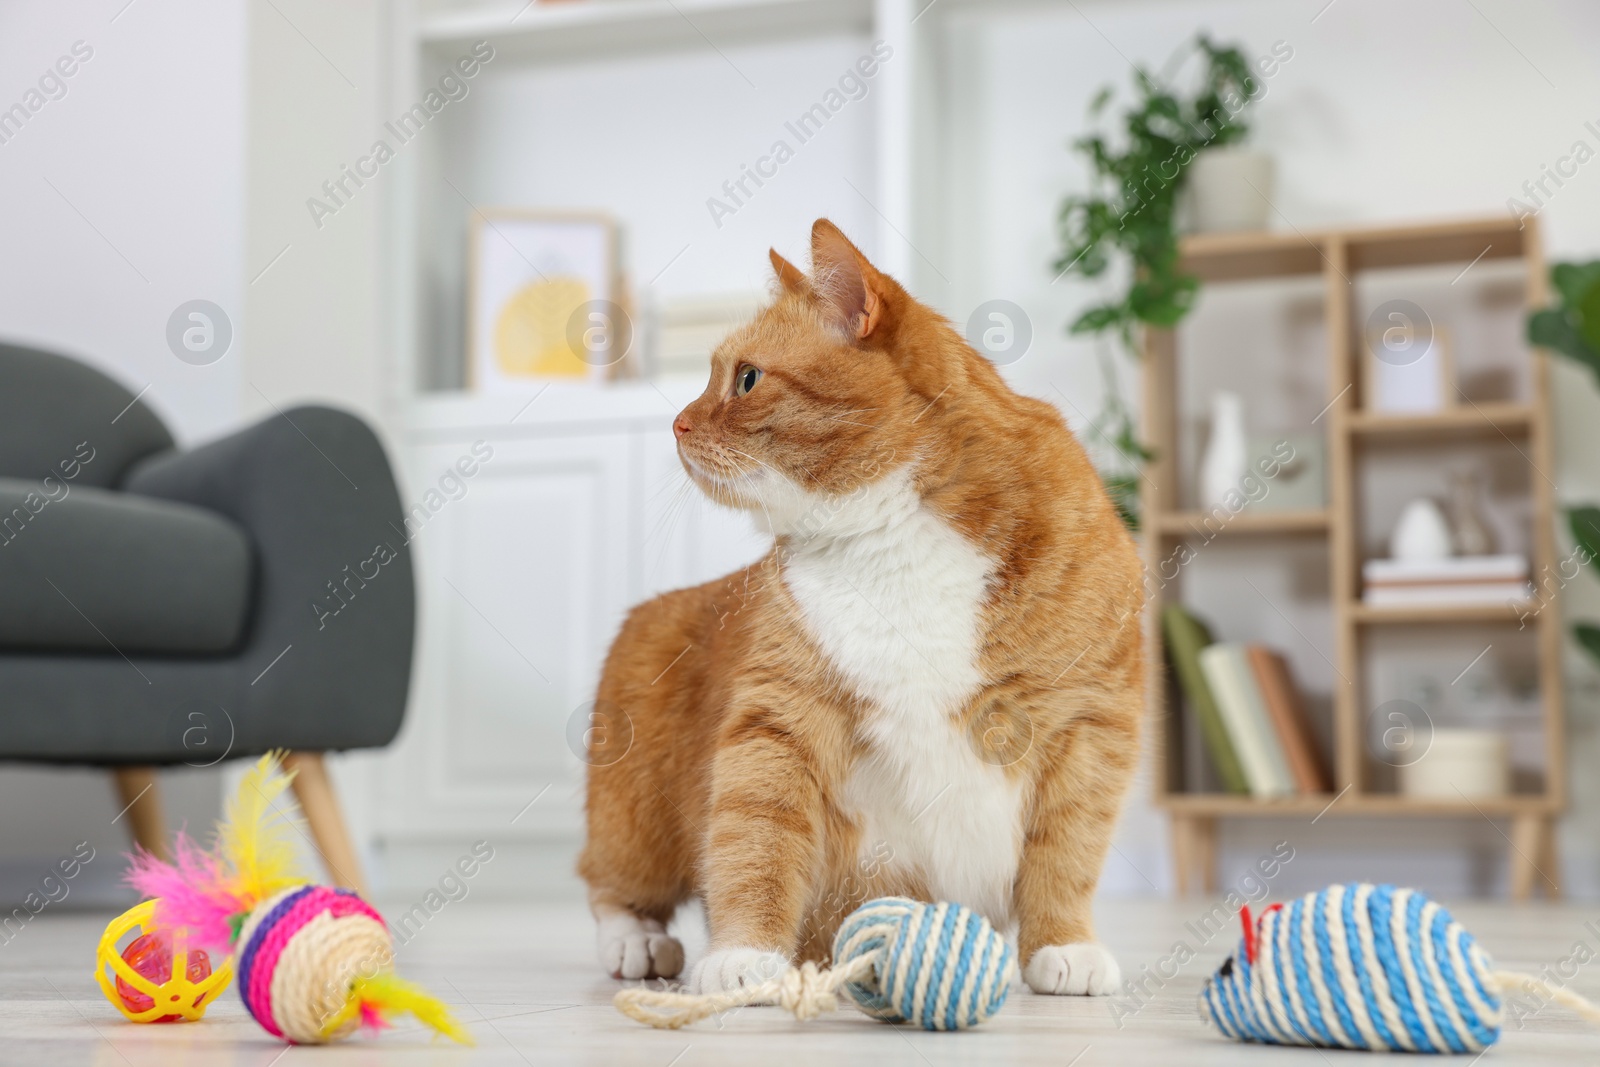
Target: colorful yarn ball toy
{"points": [[314, 963], [156, 979], [1361, 966], [940, 966]]}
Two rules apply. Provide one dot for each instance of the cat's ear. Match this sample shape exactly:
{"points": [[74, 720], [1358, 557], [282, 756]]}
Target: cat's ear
{"points": [[850, 289], [790, 277]]}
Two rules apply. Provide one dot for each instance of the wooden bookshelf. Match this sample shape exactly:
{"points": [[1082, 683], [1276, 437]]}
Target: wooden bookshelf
{"points": [[1200, 524], [1351, 434], [1331, 805], [1491, 419], [1443, 614]]}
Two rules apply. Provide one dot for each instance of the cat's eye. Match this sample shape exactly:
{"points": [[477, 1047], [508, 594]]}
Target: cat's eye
{"points": [[746, 379]]}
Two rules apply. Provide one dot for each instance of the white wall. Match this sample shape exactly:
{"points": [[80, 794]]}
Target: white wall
{"points": [[317, 75], [190, 140], [146, 155], [1385, 113], [124, 198]]}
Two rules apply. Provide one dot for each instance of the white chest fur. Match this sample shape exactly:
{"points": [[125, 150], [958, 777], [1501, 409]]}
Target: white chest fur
{"points": [[894, 597]]}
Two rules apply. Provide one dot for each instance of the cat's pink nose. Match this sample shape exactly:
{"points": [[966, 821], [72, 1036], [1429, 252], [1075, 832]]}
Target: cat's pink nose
{"points": [[680, 426]]}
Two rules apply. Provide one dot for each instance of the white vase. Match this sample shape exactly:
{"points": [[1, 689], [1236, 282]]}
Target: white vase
{"points": [[1230, 189], [1226, 461], [1422, 533]]}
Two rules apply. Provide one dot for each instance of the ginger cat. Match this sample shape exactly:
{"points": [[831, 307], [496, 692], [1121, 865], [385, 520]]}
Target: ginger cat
{"points": [[931, 686]]}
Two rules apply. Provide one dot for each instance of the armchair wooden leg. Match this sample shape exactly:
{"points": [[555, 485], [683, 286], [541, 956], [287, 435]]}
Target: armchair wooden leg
{"points": [[321, 807], [139, 796]]}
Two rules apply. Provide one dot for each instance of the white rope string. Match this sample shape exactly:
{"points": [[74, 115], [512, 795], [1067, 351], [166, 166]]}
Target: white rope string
{"points": [[805, 991]]}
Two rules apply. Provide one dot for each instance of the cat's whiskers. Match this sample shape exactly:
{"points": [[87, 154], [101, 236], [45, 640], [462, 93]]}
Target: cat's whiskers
{"points": [[712, 468], [752, 459], [679, 489], [754, 485], [683, 495], [740, 485]]}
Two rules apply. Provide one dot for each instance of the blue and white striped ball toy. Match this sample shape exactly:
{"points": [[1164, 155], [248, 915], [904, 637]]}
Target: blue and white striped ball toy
{"points": [[1358, 966], [941, 966]]}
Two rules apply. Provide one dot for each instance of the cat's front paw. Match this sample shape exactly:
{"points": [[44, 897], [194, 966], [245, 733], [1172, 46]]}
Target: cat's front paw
{"points": [[733, 969], [1084, 969], [631, 947]]}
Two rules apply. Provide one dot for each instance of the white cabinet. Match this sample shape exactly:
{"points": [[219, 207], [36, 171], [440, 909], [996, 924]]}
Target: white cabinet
{"points": [[525, 569]]}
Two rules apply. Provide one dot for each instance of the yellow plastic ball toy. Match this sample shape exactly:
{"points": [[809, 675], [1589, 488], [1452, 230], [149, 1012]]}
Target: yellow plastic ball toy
{"points": [[129, 978]]}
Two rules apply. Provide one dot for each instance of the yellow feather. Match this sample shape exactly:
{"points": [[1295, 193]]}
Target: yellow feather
{"points": [[392, 995], [256, 838]]}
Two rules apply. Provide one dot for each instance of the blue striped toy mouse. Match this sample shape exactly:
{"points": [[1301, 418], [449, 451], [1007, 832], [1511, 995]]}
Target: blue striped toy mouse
{"points": [[1362, 966]]}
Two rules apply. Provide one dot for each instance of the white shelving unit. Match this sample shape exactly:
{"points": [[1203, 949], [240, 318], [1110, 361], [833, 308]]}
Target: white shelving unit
{"points": [[588, 29], [551, 38]]}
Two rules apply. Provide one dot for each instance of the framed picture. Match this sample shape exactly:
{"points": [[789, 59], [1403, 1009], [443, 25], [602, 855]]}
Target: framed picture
{"points": [[544, 299], [1415, 374]]}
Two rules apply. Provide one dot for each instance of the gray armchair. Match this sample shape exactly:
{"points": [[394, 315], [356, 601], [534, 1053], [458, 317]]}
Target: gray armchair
{"points": [[166, 606]]}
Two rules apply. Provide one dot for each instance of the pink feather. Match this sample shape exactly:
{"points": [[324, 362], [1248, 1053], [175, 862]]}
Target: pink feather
{"points": [[372, 1018], [192, 892]]}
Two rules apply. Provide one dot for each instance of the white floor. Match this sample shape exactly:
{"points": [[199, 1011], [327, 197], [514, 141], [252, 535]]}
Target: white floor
{"points": [[526, 981]]}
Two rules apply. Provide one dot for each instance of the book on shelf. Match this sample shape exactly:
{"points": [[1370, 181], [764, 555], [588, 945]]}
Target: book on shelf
{"points": [[1454, 581], [1186, 637], [1249, 723], [1289, 719]]}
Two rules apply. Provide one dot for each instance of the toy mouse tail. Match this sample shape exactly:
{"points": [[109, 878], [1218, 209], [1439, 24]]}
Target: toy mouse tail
{"points": [[1565, 997], [377, 1000]]}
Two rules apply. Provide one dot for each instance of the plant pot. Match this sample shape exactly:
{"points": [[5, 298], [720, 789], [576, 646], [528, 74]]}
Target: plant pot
{"points": [[1230, 189], [1460, 763]]}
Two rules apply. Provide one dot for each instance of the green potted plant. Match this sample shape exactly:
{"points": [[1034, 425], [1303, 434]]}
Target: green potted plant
{"points": [[1132, 217], [1571, 326]]}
